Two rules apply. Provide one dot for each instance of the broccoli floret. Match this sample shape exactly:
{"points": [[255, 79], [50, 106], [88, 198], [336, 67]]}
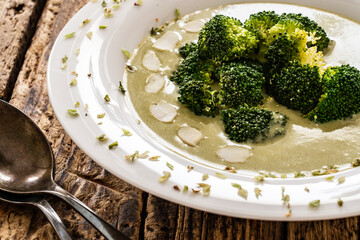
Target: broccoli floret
{"points": [[285, 26], [253, 63], [340, 98], [279, 54], [299, 27], [191, 64], [225, 38], [262, 22], [288, 47], [187, 48], [253, 124], [240, 85], [322, 40], [297, 87], [196, 93]]}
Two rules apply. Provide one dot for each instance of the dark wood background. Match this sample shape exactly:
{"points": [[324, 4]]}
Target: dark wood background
{"points": [[28, 29]]}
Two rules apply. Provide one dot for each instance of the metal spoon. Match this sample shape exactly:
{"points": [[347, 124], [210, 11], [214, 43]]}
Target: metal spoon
{"points": [[40, 202], [27, 165]]}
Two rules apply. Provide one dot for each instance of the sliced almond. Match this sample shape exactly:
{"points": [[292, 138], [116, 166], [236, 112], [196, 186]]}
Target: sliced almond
{"points": [[151, 61], [194, 26], [234, 153], [190, 136], [154, 83], [167, 41], [163, 112]]}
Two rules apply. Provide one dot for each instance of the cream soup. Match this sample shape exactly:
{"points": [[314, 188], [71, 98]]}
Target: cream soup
{"points": [[306, 145]]}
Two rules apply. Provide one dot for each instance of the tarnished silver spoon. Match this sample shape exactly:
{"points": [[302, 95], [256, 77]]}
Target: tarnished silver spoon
{"points": [[40, 202], [27, 165]]}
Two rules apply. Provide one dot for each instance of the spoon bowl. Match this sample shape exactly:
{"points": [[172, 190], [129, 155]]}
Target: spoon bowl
{"points": [[26, 161], [27, 165]]}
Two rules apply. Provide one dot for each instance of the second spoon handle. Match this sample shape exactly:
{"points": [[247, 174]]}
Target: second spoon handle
{"points": [[101, 225], [53, 218]]}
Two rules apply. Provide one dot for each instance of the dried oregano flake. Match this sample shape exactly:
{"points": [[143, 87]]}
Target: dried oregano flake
{"points": [[259, 178], [133, 156], [64, 63], [154, 158], [170, 166], [121, 88], [205, 188], [220, 175], [314, 203], [126, 52], [241, 191], [257, 192], [107, 98], [69, 35], [102, 138], [341, 180], [144, 155], [177, 13], [114, 144], [340, 202], [330, 178], [73, 82], [126, 132], [101, 115], [89, 35], [86, 21], [165, 177], [205, 177], [73, 112]]}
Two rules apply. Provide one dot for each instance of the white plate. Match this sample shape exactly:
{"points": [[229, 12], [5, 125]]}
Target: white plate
{"points": [[102, 57]]}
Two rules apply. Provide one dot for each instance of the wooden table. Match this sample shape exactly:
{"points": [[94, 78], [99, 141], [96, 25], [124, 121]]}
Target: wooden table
{"points": [[28, 30]]}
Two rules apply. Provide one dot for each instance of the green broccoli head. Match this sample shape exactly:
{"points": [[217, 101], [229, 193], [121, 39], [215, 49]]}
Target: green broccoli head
{"points": [[252, 63], [187, 48], [240, 85], [322, 40], [196, 93], [262, 22], [191, 64], [297, 87], [285, 26], [289, 46], [279, 54], [340, 98], [253, 124], [225, 38]]}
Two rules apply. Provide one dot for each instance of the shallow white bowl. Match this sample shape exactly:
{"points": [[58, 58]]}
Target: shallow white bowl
{"points": [[102, 57]]}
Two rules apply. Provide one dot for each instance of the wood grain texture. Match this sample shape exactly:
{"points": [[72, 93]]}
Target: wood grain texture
{"points": [[331, 229], [17, 24], [137, 214]]}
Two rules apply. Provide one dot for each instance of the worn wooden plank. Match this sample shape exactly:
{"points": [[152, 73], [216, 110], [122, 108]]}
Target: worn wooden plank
{"points": [[161, 219], [114, 200], [18, 20], [328, 230], [167, 220]]}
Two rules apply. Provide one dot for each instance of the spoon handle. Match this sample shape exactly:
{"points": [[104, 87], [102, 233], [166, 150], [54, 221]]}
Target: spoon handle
{"points": [[53, 218], [102, 226]]}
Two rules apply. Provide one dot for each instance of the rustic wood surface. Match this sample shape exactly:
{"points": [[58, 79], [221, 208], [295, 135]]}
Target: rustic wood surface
{"points": [[27, 33]]}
